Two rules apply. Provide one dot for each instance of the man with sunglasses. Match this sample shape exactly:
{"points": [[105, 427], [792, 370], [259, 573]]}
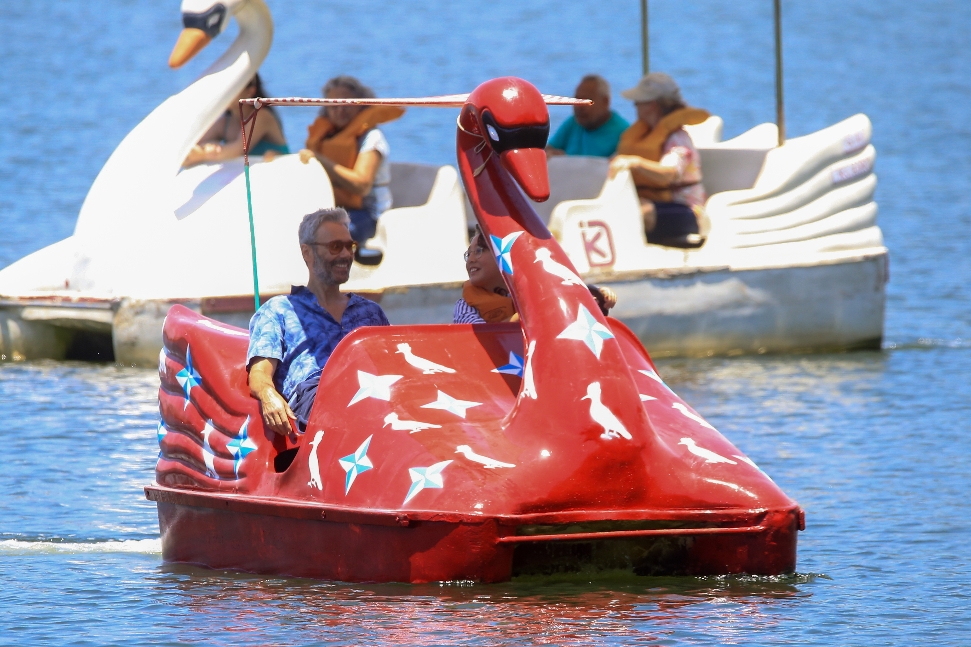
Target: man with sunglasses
{"points": [[292, 336]]}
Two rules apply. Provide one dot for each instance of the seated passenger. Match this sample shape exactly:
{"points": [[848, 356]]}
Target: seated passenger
{"points": [[485, 298], [664, 162], [592, 130], [224, 139], [354, 153], [291, 337]]}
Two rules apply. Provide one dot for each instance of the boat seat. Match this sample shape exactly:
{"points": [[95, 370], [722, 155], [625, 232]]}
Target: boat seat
{"points": [[572, 177]]}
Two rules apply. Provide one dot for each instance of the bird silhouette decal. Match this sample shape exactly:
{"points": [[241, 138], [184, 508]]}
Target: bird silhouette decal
{"points": [[488, 463], [313, 464], [427, 366], [411, 426], [613, 428]]}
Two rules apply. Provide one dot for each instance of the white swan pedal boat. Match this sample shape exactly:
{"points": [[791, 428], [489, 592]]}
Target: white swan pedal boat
{"points": [[794, 260]]}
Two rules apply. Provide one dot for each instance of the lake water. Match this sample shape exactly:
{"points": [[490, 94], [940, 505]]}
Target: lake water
{"points": [[876, 446]]}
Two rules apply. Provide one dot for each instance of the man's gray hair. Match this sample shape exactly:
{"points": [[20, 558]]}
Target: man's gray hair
{"points": [[312, 221], [602, 86], [357, 89]]}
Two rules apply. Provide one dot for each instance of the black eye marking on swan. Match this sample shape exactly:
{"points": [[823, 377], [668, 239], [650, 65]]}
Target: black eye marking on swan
{"points": [[210, 21], [505, 139]]}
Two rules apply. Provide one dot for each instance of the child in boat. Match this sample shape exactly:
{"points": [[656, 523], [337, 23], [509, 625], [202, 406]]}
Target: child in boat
{"points": [[224, 139], [347, 143], [485, 298]]}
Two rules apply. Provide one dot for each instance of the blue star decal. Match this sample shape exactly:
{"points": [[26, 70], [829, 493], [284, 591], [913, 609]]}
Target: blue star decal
{"points": [[188, 377], [502, 247], [161, 431], [356, 463], [514, 367], [241, 446]]}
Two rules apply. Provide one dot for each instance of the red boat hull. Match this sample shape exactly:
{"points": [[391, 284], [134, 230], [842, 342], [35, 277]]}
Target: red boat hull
{"points": [[281, 538], [464, 452]]}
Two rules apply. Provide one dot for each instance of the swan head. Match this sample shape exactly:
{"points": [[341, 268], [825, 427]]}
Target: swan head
{"points": [[511, 115], [403, 348], [202, 21]]}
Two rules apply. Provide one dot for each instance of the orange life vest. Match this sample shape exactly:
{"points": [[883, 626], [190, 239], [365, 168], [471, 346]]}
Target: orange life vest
{"points": [[341, 145], [648, 143], [492, 307]]}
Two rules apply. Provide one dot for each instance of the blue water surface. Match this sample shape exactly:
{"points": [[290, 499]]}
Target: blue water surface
{"points": [[874, 445]]}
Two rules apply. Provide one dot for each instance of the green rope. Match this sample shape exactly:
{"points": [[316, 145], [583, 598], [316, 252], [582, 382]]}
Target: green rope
{"points": [[252, 239]]}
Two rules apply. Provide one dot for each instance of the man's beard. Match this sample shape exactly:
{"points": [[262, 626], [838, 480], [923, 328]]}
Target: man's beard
{"points": [[324, 270]]}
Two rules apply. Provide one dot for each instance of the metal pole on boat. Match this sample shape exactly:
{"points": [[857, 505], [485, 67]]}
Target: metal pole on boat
{"points": [[780, 115], [645, 49], [249, 196]]}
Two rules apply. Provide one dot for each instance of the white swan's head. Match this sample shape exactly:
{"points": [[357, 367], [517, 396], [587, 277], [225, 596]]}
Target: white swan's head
{"points": [[202, 21]]}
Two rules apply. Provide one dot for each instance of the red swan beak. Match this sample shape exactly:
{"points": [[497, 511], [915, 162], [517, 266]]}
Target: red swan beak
{"points": [[528, 168]]}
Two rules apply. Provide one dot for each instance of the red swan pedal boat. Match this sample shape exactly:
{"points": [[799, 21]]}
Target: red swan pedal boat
{"points": [[464, 452]]}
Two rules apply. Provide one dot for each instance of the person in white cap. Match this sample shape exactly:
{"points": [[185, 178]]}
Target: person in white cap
{"points": [[664, 162]]}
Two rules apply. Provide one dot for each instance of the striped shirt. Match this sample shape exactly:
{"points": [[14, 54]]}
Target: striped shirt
{"points": [[464, 313]]}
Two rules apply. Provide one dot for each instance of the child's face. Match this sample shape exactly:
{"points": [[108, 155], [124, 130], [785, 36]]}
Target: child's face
{"points": [[481, 266]]}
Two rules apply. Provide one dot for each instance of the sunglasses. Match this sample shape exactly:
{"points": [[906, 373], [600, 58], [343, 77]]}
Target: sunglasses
{"points": [[336, 246]]}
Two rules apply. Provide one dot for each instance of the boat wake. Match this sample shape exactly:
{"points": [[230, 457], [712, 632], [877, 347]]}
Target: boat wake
{"points": [[55, 545], [925, 343]]}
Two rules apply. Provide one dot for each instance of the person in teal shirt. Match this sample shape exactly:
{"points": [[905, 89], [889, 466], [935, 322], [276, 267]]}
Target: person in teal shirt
{"points": [[592, 130]]}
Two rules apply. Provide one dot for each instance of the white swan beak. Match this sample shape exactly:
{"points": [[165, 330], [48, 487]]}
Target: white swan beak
{"points": [[191, 42]]}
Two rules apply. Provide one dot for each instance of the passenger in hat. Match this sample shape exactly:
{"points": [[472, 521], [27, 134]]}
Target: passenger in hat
{"points": [[592, 130], [664, 162], [346, 141]]}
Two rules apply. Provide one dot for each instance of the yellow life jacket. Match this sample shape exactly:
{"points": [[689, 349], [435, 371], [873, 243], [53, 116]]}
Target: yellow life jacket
{"points": [[341, 145], [648, 143]]}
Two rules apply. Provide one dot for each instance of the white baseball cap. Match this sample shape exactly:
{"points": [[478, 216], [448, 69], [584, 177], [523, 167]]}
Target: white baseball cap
{"points": [[656, 85]]}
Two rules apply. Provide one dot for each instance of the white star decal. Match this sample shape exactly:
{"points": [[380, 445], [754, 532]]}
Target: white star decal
{"points": [[445, 402], [588, 330], [426, 477], [654, 376], [373, 386]]}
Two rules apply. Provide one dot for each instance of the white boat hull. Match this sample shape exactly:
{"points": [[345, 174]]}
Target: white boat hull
{"points": [[825, 307]]}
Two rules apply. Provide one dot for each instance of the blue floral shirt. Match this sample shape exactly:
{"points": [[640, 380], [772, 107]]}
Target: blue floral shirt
{"points": [[298, 332]]}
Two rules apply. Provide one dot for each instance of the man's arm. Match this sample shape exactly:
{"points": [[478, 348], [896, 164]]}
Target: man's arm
{"points": [[276, 411]]}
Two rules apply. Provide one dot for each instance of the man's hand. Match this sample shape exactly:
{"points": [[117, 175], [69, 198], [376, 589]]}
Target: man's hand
{"points": [[276, 412]]}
